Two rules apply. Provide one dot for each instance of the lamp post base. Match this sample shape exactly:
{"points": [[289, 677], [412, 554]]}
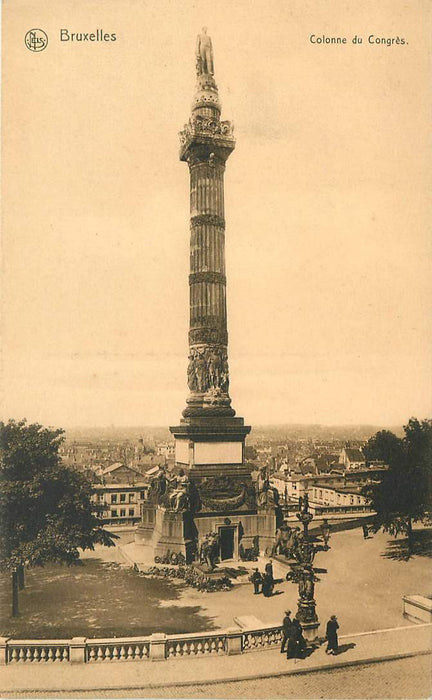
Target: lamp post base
{"points": [[310, 630]]}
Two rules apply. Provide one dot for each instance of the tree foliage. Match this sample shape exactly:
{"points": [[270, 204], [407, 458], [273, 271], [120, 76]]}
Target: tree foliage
{"points": [[403, 495], [46, 512]]}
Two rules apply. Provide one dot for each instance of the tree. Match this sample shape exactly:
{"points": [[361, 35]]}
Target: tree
{"points": [[403, 495], [46, 512], [384, 446]]}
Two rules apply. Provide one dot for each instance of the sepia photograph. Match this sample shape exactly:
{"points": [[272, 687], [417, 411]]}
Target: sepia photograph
{"points": [[216, 363]]}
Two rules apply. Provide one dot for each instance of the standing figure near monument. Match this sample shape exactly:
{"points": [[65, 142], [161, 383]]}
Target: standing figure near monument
{"points": [[269, 570], [204, 53], [256, 579], [292, 643], [286, 629], [325, 530], [300, 640], [267, 585], [332, 636]]}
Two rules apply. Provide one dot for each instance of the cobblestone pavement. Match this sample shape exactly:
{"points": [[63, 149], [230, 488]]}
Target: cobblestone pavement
{"points": [[403, 678]]}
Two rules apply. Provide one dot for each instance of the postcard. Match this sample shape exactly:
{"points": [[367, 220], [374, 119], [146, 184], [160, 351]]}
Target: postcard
{"points": [[216, 366]]}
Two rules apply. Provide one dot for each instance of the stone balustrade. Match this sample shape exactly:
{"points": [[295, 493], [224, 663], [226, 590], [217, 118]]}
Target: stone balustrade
{"points": [[192, 645], [122, 649], [34, 651], [157, 647], [253, 640]]}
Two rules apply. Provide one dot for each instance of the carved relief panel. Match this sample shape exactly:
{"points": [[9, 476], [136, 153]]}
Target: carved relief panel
{"points": [[208, 369]]}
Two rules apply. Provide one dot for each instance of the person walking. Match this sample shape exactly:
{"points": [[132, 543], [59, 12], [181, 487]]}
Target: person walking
{"points": [[332, 636], [286, 628], [365, 531], [301, 641], [325, 530], [257, 580]]}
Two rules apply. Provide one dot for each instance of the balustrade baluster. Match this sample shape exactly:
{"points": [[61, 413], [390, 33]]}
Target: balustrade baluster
{"points": [[138, 650]]}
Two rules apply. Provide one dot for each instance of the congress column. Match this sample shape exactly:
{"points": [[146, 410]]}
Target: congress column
{"points": [[210, 439]]}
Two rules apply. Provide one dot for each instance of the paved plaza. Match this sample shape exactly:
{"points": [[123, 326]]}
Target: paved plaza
{"points": [[104, 601], [355, 587]]}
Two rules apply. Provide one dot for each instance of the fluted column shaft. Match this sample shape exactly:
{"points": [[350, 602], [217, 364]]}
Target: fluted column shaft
{"points": [[208, 318], [206, 143]]}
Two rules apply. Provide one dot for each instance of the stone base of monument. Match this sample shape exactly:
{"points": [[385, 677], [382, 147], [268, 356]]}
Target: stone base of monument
{"points": [[145, 530], [310, 630], [164, 530], [237, 528]]}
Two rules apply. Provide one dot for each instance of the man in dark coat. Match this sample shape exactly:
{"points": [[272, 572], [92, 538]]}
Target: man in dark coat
{"points": [[269, 574], [292, 643], [301, 641], [267, 585], [269, 568], [332, 636], [286, 629], [256, 579], [365, 531]]}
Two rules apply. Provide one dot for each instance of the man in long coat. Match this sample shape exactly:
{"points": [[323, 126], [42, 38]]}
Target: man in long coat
{"points": [[332, 636], [286, 629], [256, 579]]}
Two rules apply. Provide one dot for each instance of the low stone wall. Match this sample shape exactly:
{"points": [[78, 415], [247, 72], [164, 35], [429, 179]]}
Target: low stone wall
{"points": [[417, 608], [341, 525], [156, 647]]}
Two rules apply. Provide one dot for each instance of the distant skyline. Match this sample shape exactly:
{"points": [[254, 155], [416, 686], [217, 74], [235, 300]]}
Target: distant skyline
{"points": [[327, 198]]}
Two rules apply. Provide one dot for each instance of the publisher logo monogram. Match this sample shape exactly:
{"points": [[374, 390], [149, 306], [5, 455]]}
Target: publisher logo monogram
{"points": [[36, 40]]}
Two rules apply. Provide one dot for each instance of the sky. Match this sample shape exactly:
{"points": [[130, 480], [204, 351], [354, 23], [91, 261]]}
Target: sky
{"points": [[327, 195]]}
